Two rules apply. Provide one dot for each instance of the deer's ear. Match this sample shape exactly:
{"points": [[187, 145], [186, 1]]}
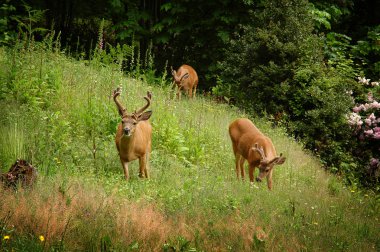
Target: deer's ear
{"points": [[281, 160], [145, 116]]}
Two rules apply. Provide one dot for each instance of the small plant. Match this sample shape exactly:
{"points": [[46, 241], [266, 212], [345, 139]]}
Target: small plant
{"points": [[26, 25], [180, 245]]}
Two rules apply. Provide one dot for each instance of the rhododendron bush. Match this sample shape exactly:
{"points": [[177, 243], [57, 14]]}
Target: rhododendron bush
{"points": [[365, 122]]}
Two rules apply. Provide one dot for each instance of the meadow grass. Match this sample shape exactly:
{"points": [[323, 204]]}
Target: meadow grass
{"points": [[57, 113]]}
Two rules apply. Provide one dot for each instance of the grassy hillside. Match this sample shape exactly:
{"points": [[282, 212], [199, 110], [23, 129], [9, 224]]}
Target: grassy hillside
{"points": [[57, 113]]}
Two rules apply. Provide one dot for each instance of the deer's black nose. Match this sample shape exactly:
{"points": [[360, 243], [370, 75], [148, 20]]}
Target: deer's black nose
{"points": [[258, 179], [127, 131]]}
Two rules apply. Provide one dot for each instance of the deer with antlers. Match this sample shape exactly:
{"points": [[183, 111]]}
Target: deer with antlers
{"points": [[185, 78], [134, 135], [250, 144]]}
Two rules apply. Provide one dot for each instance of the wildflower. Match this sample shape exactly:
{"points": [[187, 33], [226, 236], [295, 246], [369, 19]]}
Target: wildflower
{"points": [[374, 84], [363, 80], [375, 105], [368, 121], [356, 109], [42, 238], [315, 223], [374, 162], [6, 237], [370, 96], [368, 132], [376, 135], [260, 234], [372, 117], [57, 160], [376, 129], [101, 44], [355, 119]]}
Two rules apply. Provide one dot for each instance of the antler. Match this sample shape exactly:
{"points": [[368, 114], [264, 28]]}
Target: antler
{"points": [[148, 98], [260, 150], [172, 71], [120, 107], [185, 76]]}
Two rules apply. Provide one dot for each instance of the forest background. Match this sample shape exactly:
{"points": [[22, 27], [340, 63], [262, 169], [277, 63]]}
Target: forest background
{"points": [[310, 66]]}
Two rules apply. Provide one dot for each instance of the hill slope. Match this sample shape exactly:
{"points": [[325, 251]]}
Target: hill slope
{"points": [[57, 113]]}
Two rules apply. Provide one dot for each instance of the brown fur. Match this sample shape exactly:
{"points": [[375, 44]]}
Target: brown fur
{"points": [[134, 137], [247, 141], [185, 78]]}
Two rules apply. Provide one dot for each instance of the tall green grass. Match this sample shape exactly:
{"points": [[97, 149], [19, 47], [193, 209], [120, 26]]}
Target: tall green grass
{"points": [[58, 112]]}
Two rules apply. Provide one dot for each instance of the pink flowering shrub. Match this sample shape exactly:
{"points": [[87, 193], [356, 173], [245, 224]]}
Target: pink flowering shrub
{"points": [[365, 122], [365, 119]]}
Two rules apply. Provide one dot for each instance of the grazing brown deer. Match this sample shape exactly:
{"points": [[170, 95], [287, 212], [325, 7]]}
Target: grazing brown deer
{"points": [[185, 78], [250, 144], [134, 136]]}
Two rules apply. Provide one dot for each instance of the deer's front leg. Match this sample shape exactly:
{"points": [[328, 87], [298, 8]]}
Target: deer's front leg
{"points": [[251, 172], [242, 171], [147, 166], [125, 167], [237, 165]]}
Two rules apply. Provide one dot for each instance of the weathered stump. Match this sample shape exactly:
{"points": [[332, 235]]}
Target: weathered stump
{"points": [[21, 172]]}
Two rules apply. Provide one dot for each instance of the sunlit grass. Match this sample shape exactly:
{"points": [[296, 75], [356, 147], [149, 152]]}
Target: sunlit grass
{"points": [[13, 142], [193, 199]]}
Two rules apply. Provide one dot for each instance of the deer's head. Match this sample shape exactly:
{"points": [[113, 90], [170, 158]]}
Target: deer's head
{"points": [[179, 79], [130, 120], [266, 165]]}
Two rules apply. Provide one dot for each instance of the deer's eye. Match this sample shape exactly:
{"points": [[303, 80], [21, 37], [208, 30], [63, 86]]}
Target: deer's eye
{"points": [[134, 123]]}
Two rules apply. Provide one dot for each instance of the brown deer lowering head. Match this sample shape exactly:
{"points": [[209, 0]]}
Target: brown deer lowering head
{"points": [[179, 79], [266, 165], [185, 79]]}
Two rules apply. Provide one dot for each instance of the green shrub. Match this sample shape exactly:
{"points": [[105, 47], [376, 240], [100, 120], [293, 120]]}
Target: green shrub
{"points": [[265, 56]]}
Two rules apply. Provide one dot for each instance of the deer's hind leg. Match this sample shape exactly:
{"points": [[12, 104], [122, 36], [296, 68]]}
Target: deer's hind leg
{"points": [[190, 92], [239, 161]]}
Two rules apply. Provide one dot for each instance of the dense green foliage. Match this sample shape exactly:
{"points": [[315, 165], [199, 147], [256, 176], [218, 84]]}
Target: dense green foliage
{"points": [[56, 112]]}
